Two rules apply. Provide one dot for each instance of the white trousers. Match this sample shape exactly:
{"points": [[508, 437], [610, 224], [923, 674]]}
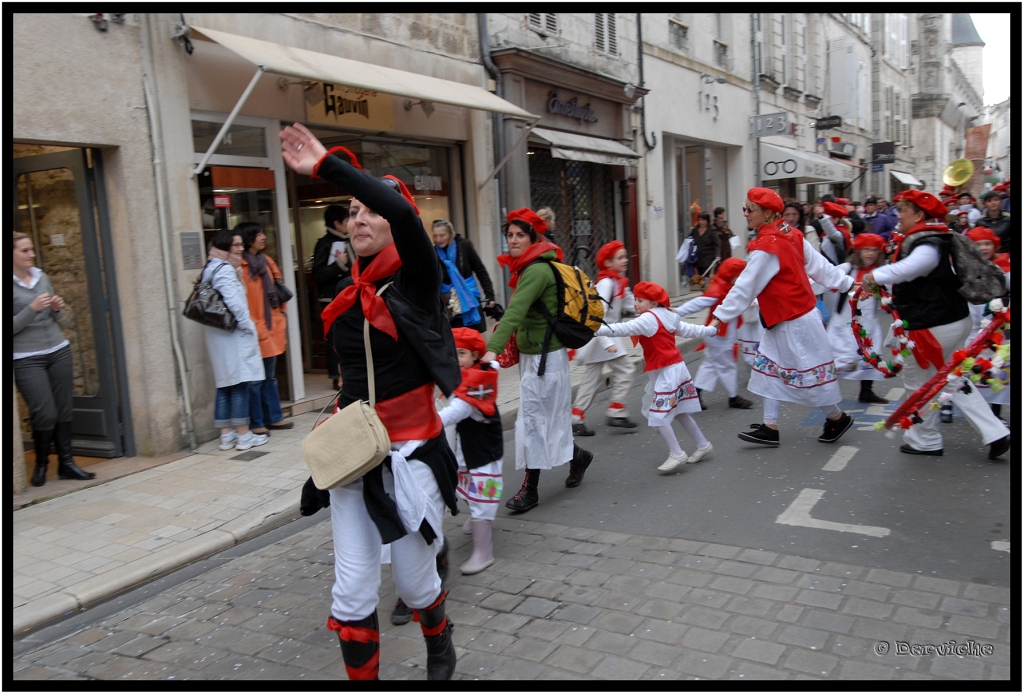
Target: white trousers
{"points": [[926, 436], [357, 552], [718, 365], [622, 373]]}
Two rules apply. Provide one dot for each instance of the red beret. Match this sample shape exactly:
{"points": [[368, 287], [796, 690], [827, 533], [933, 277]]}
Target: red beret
{"points": [[730, 269], [868, 241], [608, 252], [928, 203], [984, 234], [653, 292], [949, 201], [834, 210], [843, 201], [1001, 186], [530, 217], [897, 197], [469, 339], [765, 198]]}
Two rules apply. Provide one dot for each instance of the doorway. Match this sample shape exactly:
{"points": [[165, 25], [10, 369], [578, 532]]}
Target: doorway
{"points": [[60, 203], [701, 177]]}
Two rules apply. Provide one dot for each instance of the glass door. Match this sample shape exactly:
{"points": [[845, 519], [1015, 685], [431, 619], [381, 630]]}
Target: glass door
{"points": [[54, 205]]}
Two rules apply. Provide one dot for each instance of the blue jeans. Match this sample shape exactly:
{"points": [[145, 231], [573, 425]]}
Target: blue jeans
{"points": [[264, 401], [232, 406]]}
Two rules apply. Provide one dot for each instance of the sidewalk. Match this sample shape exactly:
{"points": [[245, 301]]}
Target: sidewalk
{"points": [[560, 603], [91, 544]]}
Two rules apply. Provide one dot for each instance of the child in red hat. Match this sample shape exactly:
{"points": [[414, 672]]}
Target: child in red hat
{"points": [[868, 254], [613, 287], [479, 446], [719, 359], [989, 245], [670, 391]]}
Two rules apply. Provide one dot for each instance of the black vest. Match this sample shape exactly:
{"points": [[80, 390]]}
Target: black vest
{"points": [[482, 442], [933, 299]]}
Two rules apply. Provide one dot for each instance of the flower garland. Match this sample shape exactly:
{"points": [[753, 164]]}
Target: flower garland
{"points": [[964, 364], [864, 343]]}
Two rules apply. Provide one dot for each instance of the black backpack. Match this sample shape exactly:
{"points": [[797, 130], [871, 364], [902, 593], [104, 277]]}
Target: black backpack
{"points": [[980, 280]]}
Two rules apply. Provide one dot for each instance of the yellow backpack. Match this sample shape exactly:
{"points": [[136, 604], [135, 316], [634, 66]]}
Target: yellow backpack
{"points": [[580, 310]]}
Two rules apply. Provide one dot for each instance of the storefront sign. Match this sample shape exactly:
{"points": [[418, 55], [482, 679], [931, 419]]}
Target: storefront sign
{"points": [[977, 141], [571, 108], [878, 167], [771, 124], [883, 153], [828, 123], [222, 201], [352, 107], [427, 182]]}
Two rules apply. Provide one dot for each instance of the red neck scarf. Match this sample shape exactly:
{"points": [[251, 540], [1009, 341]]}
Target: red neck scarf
{"points": [[517, 265], [920, 226], [620, 290], [385, 264], [1003, 261], [861, 271]]}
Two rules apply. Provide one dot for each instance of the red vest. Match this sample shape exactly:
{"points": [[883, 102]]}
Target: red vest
{"points": [[660, 349], [788, 294]]}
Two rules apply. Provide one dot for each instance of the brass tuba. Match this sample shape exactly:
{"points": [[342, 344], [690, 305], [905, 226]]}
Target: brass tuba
{"points": [[958, 173]]}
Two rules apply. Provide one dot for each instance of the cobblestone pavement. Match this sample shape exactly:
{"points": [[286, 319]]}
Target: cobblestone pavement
{"points": [[560, 603]]}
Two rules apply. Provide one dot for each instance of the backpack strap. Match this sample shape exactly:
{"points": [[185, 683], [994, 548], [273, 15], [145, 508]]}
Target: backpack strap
{"points": [[539, 303]]}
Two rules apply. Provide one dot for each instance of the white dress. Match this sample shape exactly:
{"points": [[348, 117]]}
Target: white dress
{"points": [[849, 362], [749, 334], [794, 359], [718, 363], [670, 390]]}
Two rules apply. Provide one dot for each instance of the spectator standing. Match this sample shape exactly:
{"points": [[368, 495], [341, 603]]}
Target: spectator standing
{"points": [[721, 227], [875, 220], [548, 216], [260, 275], [459, 263], [996, 220], [43, 369], [234, 354], [705, 238], [331, 268]]}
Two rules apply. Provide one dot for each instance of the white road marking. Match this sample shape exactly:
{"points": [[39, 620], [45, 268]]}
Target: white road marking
{"points": [[876, 410], [799, 513], [840, 458], [894, 394], [1001, 545]]}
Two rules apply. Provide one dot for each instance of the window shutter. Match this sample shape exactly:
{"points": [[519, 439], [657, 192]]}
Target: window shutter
{"points": [[551, 22], [837, 77], [535, 20], [613, 37], [599, 43]]}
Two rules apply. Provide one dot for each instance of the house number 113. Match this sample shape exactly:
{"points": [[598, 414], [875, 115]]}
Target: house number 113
{"points": [[706, 102]]}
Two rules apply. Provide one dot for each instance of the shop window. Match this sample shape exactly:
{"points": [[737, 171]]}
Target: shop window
{"points": [[606, 38], [239, 140]]}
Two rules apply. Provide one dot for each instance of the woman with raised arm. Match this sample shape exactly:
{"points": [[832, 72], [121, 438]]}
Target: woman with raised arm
{"points": [[402, 500]]}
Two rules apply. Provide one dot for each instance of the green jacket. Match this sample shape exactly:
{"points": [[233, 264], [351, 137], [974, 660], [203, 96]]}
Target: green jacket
{"points": [[536, 281]]}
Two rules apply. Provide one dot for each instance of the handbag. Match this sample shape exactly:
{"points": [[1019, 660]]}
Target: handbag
{"points": [[205, 305], [510, 355], [350, 442], [283, 292]]}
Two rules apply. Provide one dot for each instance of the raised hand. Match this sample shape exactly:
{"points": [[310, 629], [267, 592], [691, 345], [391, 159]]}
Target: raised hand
{"points": [[300, 148]]}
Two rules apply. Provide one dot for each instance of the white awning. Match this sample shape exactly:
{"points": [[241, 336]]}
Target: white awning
{"points": [[806, 167], [321, 67], [585, 148], [906, 179]]}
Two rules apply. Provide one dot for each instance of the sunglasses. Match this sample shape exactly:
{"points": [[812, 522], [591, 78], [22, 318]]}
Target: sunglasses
{"points": [[748, 209]]}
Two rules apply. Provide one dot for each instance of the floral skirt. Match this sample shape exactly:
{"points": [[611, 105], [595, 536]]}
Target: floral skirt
{"points": [[794, 363], [670, 391]]}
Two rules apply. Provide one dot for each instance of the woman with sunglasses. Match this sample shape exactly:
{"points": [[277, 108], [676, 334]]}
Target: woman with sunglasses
{"points": [[459, 262], [794, 358], [395, 286]]}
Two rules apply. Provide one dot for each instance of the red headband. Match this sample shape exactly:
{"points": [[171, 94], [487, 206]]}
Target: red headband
{"points": [[652, 292]]}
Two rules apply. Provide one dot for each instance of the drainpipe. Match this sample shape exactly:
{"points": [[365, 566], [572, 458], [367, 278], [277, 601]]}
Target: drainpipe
{"points": [[501, 209], [643, 105], [757, 95], [156, 142]]}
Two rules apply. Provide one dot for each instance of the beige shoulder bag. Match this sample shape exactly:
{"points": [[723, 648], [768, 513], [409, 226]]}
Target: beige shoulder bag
{"points": [[350, 442]]}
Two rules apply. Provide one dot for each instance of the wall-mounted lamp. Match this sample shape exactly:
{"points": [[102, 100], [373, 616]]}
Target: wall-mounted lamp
{"points": [[312, 94], [710, 79], [427, 106]]}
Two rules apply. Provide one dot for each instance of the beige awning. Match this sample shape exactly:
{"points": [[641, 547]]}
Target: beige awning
{"points": [[906, 179], [806, 167], [321, 67], [585, 148]]}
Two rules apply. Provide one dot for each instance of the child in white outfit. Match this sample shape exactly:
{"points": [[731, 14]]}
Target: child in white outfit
{"points": [[670, 391]]}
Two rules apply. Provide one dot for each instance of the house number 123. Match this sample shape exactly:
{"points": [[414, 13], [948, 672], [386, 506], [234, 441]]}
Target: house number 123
{"points": [[706, 102]]}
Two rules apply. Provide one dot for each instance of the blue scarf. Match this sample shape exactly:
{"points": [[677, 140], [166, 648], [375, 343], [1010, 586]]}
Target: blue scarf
{"points": [[465, 287]]}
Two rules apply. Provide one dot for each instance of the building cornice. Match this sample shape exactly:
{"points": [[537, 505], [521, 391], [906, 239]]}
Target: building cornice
{"points": [[560, 73]]}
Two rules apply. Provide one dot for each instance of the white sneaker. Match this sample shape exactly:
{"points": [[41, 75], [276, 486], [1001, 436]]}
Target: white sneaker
{"points": [[227, 441], [671, 463], [701, 453], [249, 440]]}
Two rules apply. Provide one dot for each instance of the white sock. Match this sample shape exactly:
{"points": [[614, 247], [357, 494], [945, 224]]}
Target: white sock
{"points": [[693, 430], [669, 434]]}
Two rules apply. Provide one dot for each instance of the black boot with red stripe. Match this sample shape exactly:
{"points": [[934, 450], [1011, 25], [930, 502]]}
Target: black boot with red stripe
{"points": [[437, 632], [360, 646]]}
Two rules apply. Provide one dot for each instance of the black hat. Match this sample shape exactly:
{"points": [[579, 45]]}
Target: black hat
{"points": [[871, 200]]}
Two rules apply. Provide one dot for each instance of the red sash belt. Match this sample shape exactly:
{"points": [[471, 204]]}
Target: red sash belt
{"points": [[411, 415]]}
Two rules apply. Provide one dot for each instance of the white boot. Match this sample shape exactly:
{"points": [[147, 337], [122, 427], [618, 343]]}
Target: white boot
{"points": [[467, 527], [671, 463], [483, 548]]}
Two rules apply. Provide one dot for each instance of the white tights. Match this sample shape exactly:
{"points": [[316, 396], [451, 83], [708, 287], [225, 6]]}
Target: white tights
{"points": [[669, 434]]}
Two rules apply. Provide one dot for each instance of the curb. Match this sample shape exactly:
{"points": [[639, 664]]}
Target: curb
{"points": [[100, 588]]}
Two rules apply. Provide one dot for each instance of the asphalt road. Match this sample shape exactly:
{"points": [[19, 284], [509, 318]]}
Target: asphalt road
{"points": [[933, 516]]}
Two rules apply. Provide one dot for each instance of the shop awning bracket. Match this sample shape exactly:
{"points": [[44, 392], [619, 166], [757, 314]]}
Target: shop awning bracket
{"points": [[526, 133], [227, 123]]}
